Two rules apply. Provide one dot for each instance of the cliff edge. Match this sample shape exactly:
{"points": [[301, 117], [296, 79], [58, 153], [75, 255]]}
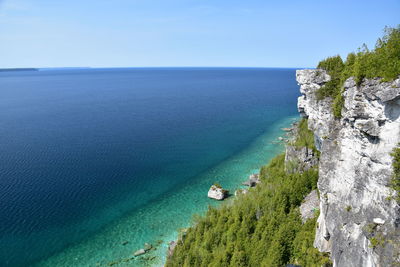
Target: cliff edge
{"points": [[359, 217]]}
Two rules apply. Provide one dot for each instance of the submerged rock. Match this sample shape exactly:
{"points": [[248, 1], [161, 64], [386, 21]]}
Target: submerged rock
{"points": [[287, 129], [139, 252], [217, 192]]}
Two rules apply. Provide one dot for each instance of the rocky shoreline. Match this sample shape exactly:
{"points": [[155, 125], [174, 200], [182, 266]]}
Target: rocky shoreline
{"points": [[217, 192]]}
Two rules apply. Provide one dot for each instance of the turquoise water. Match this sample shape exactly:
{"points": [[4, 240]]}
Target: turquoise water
{"points": [[160, 220], [94, 163]]}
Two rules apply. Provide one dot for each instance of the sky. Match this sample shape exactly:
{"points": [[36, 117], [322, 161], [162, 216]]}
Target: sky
{"points": [[161, 33]]}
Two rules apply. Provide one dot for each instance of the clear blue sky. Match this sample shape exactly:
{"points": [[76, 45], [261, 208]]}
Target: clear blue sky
{"points": [[134, 33]]}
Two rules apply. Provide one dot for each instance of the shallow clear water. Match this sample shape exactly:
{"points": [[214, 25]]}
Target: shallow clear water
{"points": [[91, 159]]}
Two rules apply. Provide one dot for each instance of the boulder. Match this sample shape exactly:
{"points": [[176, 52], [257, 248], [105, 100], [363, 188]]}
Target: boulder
{"points": [[217, 192], [379, 221]]}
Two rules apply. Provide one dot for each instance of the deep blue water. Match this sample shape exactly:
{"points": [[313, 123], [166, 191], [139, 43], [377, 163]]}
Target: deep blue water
{"points": [[81, 148]]}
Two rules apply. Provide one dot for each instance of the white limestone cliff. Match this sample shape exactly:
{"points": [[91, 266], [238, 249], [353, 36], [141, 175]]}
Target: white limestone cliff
{"points": [[355, 169]]}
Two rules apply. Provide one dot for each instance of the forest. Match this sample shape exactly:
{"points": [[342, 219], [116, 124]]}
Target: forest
{"points": [[261, 228]]}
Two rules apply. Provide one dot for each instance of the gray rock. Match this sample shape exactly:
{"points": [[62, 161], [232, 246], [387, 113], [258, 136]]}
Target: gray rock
{"points": [[309, 206], [355, 169], [299, 159], [253, 180], [217, 193], [378, 221], [369, 127]]}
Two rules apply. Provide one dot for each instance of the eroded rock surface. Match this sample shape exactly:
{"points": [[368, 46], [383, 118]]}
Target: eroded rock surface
{"points": [[309, 206], [217, 193], [355, 169], [298, 159]]}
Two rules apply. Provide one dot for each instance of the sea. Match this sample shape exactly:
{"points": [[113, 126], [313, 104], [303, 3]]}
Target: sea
{"points": [[94, 163]]}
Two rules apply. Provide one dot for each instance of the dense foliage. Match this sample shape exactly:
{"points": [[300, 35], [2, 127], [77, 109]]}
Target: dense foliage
{"points": [[261, 228], [396, 171], [382, 62], [305, 137]]}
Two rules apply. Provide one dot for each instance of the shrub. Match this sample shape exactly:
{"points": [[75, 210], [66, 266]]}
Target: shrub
{"points": [[382, 62], [217, 185], [395, 182], [376, 241], [305, 137]]}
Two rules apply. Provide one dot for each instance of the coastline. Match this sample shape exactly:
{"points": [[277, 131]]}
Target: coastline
{"points": [[106, 247]]}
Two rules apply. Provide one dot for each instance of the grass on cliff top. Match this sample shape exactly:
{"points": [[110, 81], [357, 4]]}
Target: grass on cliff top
{"points": [[261, 228], [381, 62]]}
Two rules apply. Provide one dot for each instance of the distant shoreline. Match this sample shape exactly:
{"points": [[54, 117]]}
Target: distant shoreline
{"points": [[19, 69], [39, 69]]}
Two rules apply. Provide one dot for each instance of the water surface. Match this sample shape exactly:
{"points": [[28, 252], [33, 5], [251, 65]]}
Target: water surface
{"points": [[93, 158]]}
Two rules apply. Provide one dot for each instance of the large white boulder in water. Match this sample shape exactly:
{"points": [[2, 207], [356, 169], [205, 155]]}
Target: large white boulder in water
{"points": [[217, 192]]}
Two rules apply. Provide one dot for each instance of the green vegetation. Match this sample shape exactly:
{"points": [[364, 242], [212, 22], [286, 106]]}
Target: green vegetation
{"points": [[262, 228], [395, 182], [305, 137], [382, 62], [370, 228], [348, 208], [217, 185], [377, 240], [334, 66]]}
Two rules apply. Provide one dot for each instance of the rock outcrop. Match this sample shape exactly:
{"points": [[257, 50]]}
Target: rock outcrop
{"points": [[217, 192], [309, 206], [253, 180], [299, 159], [359, 220]]}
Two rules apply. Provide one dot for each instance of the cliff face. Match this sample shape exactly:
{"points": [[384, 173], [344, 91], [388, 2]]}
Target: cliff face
{"points": [[359, 223]]}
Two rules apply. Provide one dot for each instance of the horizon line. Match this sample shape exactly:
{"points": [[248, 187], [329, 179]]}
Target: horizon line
{"points": [[148, 67]]}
